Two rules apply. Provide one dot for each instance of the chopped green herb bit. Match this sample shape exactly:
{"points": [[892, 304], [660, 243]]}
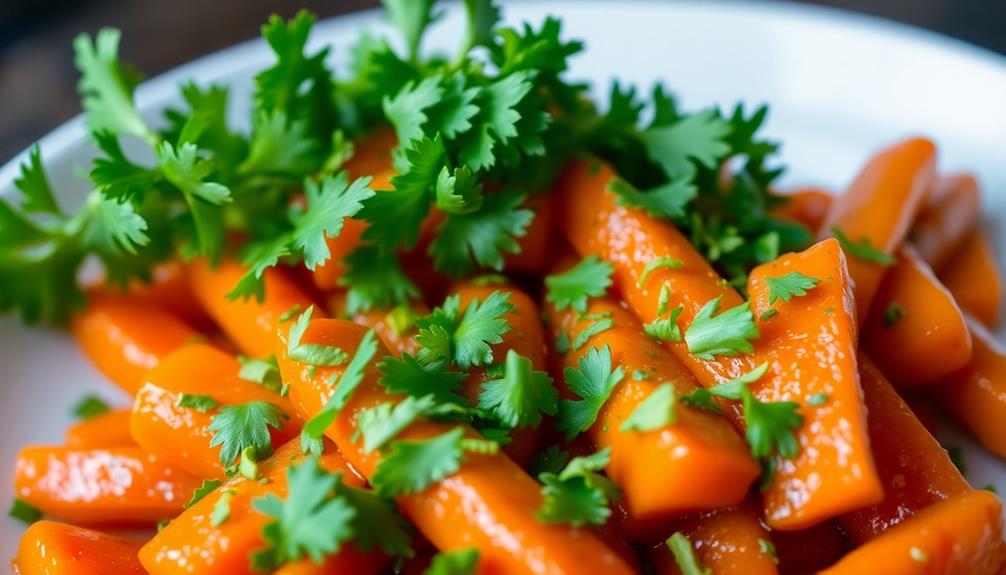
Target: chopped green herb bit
{"points": [[767, 548], [208, 486], [458, 562], [786, 287], [684, 555], [957, 457], [817, 398], [572, 288], [200, 403], [768, 314], [222, 508], [579, 494], [863, 249], [90, 406], [726, 334], [590, 331], [522, 396], [592, 381], [893, 313], [656, 264], [24, 512], [654, 412]]}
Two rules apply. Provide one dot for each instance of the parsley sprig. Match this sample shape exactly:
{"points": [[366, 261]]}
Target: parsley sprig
{"points": [[578, 495]]}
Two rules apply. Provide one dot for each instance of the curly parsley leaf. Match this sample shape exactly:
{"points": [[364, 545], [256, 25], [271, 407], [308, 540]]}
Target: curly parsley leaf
{"points": [[654, 412], [788, 286], [726, 334], [592, 381], [236, 427], [521, 396], [572, 288], [457, 562]]}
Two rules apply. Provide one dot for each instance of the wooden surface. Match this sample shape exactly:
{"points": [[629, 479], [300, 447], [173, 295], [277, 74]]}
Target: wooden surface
{"points": [[37, 77]]}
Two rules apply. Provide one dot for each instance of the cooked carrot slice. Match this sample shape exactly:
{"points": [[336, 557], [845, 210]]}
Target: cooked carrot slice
{"points": [[489, 504], [959, 536], [947, 218], [880, 206], [534, 256], [124, 337], [251, 324], [976, 394], [179, 435], [915, 470], [109, 429], [169, 288], [115, 485], [396, 327], [191, 543], [809, 550], [915, 332], [972, 274], [810, 348], [697, 463], [50, 548], [808, 206]]}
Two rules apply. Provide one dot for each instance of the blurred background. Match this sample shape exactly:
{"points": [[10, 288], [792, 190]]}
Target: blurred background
{"points": [[37, 77]]}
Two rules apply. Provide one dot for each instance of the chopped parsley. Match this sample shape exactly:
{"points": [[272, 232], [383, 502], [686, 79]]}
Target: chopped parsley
{"points": [[656, 264], [578, 494], [457, 562], [200, 403], [817, 398], [769, 426], [237, 427], [311, 353], [344, 385], [572, 288], [684, 555], [893, 313], [464, 339], [90, 406], [521, 396], [654, 412], [208, 486], [24, 512], [727, 334], [264, 372], [786, 287], [222, 508], [863, 249], [593, 382], [665, 329], [410, 466], [410, 376], [590, 331]]}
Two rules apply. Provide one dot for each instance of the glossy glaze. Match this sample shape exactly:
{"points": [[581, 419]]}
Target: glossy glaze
{"points": [[50, 548], [948, 217], [109, 429], [726, 541], [972, 274]]}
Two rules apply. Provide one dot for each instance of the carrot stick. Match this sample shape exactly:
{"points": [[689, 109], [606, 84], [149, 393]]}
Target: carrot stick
{"points": [[169, 288], [807, 206], [115, 485], [948, 217], [534, 255], [976, 394], [191, 543], [124, 337], [251, 324], [396, 327], [697, 463], [809, 550], [50, 548], [489, 504], [526, 337], [179, 435], [810, 348], [914, 469], [959, 536], [879, 207], [972, 274], [725, 541], [915, 332], [109, 429]]}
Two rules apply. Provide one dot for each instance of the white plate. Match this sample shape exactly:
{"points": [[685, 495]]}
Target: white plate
{"points": [[839, 85]]}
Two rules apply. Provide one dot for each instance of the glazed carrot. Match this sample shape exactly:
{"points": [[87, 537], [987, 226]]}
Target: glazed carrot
{"points": [[533, 257], [190, 543], [526, 337], [915, 332], [124, 338], [959, 536], [808, 206], [948, 217], [489, 504], [179, 435], [914, 469], [809, 550], [972, 274], [976, 394], [810, 348], [879, 207], [394, 337], [109, 429], [630, 239], [697, 463], [726, 541], [169, 288], [251, 324], [115, 485], [50, 548]]}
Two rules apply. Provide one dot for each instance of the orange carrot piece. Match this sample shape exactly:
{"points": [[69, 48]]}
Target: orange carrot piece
{"points": [[489, 504], [534, 255], [179, 435], [949, 216], [810, 347], [959, 536], [109, 429], [124, 337], [50, 548], [190, 543], [383, 324], [914, 469], [726, 541], [972, 274], [251, 324], [115, 485], [915, 332], [808, 206], [976, 394], [880, 206], [809, 550], [697, 463], [527, 338], [169, 288], [595, 224]]}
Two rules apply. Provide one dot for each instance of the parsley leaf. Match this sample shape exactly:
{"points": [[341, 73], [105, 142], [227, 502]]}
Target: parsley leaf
{"points": [[483, 236], [310, 522], [410, 376], [578, 495], [200, 403], [376, 522], [593, 381], [521, 396], [656, 264], [654, 412], [24, 512], [785, 287], [684, 555], [237, 427], [264, 372], [90, 406], [667, 200], [699, 138], [411, 17], [590, 331], [893, 313], [222, 508], [328, 205], [381, 423], [412, 466], [726, 334], [457, 562], [572, 288], [376, 280], [863, 249], [107, 88], [344, 384], [208, 486], [465, 339], [311, 353], [551, 460], [770, 425]]}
